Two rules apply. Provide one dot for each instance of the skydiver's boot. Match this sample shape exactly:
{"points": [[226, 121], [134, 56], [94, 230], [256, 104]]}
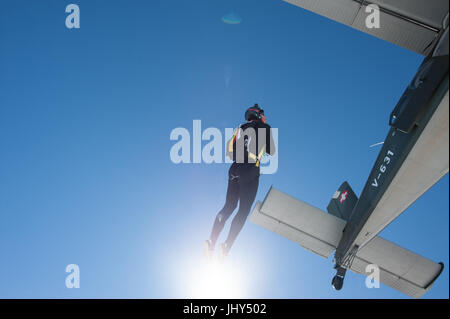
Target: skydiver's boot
{"points": [[223, 251], [208, 250]]}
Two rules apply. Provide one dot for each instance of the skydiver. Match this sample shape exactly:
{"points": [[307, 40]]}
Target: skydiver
{"points": [[250, 141]]}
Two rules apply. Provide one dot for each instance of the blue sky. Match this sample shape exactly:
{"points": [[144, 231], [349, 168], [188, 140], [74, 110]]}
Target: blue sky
{"points": [[85, 120]]}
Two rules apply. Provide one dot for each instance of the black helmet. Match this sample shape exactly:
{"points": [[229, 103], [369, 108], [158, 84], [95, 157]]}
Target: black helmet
{"points": [[254, 113]]}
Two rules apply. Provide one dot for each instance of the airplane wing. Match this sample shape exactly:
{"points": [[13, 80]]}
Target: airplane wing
{"points": [[412, 24], [320, 232]]}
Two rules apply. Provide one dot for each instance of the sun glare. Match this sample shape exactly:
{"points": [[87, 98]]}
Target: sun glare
{"points": [[215, 279]]}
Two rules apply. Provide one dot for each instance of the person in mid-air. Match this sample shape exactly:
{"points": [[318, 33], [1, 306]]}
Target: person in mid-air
{"points": [[250, 141]]}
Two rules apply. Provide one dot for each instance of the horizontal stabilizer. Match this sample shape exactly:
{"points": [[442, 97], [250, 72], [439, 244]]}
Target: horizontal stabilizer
{"points": [[320, 233], [300, 222], [400, 268]]}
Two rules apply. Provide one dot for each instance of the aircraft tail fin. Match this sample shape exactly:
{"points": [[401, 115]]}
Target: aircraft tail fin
{"points": [[343, 201]]}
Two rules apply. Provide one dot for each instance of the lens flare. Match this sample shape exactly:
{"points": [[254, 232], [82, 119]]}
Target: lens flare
{"points": [[231, 18], [228, 72]]}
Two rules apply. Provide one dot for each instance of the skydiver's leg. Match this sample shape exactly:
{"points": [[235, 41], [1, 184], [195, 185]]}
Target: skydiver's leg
{"points": [[247, 194], [230, 204]]}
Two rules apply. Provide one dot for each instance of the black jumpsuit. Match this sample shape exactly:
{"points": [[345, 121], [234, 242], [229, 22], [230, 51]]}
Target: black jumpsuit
{"points": [[243, 176]]}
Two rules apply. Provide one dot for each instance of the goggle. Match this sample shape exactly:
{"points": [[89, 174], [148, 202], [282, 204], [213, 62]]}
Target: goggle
{"points": [[260, 111]]}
